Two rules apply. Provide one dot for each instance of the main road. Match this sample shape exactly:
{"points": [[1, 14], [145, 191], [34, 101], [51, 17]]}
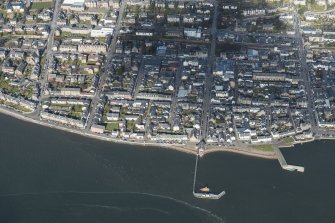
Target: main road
{"points": [[140, 76], [105, 72], [48, 58], [209, 78], [304, 70], [174, 102]]}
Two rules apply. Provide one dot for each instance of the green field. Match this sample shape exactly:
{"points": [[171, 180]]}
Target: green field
{"points": [[15, 106], [130, 124], [41, 5], [288, 140], [6, 87], [267, 148], [317, 8], [112, 126]]}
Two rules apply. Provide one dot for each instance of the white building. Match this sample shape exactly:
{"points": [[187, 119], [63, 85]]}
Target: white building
{"points": [[103, 32], [321, 2], [192, 32], [73, 5], [62, 119], [299, 2], [97, 128], [144, 33], [113, 116], [173, 18]]}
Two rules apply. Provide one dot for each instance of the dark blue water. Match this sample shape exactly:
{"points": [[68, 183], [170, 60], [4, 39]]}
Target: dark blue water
{"points": [[51, 176]]}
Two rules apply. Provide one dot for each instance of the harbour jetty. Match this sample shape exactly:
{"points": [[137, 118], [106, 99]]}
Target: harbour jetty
{"points": [[209, 195], [284, 164], [202, 193], [201, 148]]}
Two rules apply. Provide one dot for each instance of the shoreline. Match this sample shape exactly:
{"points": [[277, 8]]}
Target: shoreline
{"points": [[177, 147], [246, 152], [22, 117]]}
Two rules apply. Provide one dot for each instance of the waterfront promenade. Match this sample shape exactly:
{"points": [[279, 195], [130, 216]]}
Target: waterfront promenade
{"points": [[185, 148], [142, 144]]}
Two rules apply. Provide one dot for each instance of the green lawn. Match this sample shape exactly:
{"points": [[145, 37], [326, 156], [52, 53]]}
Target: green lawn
{"points": [[41, 5], [75, 115], [267, 148], [4, 85], [316, 7], [76, 111], [130, 124], [3, 13], [77, 108], [288, 140], [14, 106], [112, 126], [68, 34]]}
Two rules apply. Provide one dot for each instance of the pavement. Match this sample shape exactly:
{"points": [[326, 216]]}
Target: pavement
{"points": [[304, 69], [105, 73], [209, 78], [48, 56]]}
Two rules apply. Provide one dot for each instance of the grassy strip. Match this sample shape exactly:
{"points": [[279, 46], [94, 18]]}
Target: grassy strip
{"points": [[4, 84], [288, 140], [266, 148], [41, 5], [112, 126], [15, 106]]}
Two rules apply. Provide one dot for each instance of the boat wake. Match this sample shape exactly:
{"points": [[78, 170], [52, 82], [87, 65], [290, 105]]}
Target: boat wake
{"points": [[208, 213], [125, 209]]}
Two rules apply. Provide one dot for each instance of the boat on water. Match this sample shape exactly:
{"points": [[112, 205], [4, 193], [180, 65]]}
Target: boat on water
{"points": [[205, 189]]}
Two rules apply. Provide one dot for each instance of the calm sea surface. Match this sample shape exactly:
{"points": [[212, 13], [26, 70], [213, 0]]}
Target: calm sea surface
{"points": [[51, 176]]}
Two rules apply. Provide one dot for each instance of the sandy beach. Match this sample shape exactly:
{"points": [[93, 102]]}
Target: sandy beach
{"points": [[22, 117], [248, 151]]}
